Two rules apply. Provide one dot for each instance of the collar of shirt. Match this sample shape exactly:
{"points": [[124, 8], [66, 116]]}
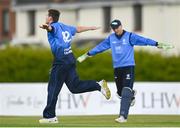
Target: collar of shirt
{"points": [[119, 36]]}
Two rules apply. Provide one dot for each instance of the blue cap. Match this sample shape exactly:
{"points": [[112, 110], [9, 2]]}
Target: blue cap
{"points": [[115, 24]]}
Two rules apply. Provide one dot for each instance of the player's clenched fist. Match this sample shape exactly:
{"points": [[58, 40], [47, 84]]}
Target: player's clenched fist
{"points": [[46, 26]]}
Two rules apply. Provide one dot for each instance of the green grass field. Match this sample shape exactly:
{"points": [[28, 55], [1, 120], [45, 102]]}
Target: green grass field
{"points": [[94, 121]]}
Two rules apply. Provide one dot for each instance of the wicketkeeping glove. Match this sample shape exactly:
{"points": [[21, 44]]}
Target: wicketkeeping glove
{"points": [[165, 46], [83, 57]]}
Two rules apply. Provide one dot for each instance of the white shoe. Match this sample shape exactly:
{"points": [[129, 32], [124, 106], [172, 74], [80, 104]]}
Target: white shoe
{"points": [[48, 120], [104, 89], [121, 119]]}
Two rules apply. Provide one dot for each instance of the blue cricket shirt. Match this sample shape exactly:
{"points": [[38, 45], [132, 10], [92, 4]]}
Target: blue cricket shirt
{"points": [[60, 40], [122, 47]]}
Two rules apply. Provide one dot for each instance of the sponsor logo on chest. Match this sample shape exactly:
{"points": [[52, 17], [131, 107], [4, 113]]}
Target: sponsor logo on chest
{"points": [[123, 42]]}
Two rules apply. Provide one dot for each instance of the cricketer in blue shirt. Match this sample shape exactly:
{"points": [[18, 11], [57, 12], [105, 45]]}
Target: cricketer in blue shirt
{"points": [[64, 65], [122, 44], [122, 47]]}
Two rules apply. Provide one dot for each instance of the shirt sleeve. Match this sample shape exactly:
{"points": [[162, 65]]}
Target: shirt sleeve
{"points": [[142, 41], [73, 30], [102, 46], [53, 28]]}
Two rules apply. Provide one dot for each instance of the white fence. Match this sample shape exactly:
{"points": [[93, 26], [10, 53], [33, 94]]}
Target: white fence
{"points": [[30, 99]]}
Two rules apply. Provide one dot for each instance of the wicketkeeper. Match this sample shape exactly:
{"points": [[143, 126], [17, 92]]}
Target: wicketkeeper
{"points": [[122, 45]]}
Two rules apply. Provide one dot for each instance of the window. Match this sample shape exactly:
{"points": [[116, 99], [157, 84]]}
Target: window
{"points": [[31, 20], [5, 22], [137, 8], [107, 18], [77, 15]]}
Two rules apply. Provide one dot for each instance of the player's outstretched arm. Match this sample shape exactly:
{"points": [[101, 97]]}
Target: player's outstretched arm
{"points": [[102, 46], [83, 28], [164, 46]]}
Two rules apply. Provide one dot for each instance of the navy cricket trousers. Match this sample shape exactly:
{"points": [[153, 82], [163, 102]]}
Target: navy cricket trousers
{"points": [[65, 73], [124, 77]]}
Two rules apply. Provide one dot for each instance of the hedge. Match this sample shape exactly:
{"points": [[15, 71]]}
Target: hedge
{"points": [[24, 65], [33, 64]]}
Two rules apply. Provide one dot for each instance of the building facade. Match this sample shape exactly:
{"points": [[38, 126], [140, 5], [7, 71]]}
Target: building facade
{"points": [[156, 19], [7, 21]]}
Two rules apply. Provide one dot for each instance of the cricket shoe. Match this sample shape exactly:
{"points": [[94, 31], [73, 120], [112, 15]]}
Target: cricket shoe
{"points": [[121, 119], [48, 120], [104, 89], [133, 100]]}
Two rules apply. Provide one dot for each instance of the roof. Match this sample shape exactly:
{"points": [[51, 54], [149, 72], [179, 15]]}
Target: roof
{"points": [[20, 2], [74, 4], [74, 1]]}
